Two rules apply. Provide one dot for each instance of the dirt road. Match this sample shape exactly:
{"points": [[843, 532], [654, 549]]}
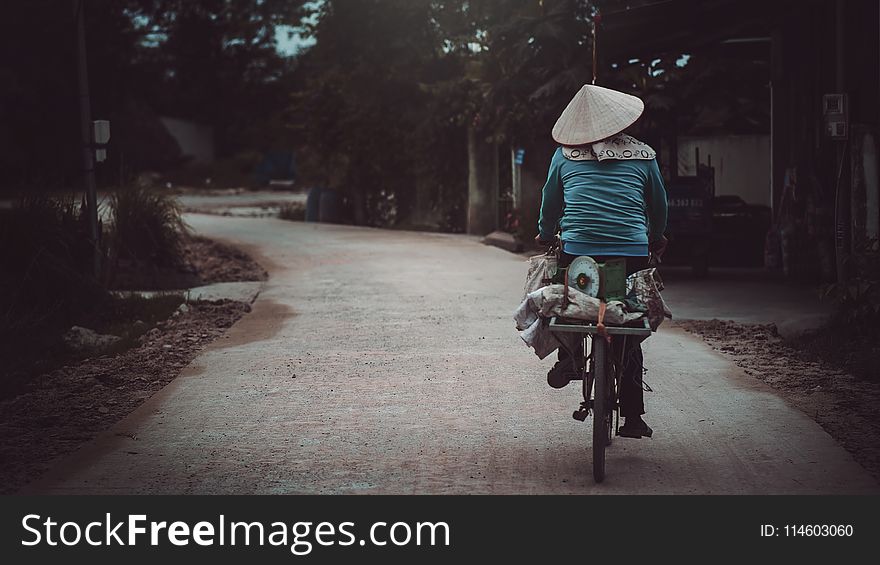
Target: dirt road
{"points": [[387, 362]]}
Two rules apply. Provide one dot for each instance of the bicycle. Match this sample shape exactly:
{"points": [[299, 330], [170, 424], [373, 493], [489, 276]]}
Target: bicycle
{"points": [[600, 373]]}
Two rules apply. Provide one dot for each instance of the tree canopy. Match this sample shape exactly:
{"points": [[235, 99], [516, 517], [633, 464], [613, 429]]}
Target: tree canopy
{"points": [[211, 61], [377, 107]]}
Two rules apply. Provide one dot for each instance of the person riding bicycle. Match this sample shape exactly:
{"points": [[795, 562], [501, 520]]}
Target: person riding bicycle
{"points": [[605, 192]]}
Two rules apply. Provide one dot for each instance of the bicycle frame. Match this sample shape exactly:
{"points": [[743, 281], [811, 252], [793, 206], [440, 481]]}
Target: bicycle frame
{"points": [[598, 375]]}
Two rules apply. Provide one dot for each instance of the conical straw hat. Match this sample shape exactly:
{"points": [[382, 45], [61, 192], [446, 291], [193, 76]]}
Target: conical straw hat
{"points": [[596, 113]]}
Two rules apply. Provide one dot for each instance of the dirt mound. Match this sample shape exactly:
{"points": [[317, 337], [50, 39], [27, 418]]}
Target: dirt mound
{"points": [[64, 408], [203, 262]]}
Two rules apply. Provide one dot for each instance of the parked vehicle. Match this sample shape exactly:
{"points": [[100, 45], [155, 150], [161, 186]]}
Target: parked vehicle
{"points": [[690, 201], [739, 231]]}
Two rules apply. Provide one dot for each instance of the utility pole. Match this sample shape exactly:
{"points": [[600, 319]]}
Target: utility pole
{"points": [[597, 19], [85, 121], [842, 202]]}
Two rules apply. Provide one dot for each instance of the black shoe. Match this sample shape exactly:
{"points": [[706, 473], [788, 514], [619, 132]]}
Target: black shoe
{"points": [[561, 374], [635, 428]]}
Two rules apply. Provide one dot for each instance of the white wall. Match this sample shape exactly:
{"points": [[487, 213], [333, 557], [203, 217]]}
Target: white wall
{"points": [[196, 141], [742, 163]]}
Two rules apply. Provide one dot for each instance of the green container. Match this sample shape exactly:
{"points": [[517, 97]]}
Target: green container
{"points": [[613, 282]]}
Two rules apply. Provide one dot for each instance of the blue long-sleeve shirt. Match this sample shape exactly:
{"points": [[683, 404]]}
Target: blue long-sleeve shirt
{"points": [[610, 207]]}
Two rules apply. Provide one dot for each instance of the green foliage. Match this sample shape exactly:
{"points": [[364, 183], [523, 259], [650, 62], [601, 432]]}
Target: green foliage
{"points": [[147, 227], [211, 61], [378, 108], [537, 55], [385, 97], [364, 98], [46, 264], [292, 211], [856, 300], [215, 62]]}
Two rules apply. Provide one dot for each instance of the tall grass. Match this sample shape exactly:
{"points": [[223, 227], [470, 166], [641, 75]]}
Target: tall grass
{"points": [[47, 281], [147, 227], [46, 266], [46, 253]]}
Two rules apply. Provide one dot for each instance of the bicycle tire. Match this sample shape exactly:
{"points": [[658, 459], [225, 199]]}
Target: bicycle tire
{"points": [[601, 409], [613, 372]]}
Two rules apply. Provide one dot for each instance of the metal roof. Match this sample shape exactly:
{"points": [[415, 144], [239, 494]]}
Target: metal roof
{"points": [[682, 26]]}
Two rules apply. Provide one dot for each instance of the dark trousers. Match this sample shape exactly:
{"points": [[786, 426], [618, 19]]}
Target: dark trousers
{"points": [[632, 396]]}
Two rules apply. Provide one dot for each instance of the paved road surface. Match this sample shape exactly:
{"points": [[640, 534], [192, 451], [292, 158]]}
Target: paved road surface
{"points": [[747, 296], [387, 362], [261, 203]]}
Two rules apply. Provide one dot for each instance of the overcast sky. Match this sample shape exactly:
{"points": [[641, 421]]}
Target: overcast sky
{"points": [[290, 44]]}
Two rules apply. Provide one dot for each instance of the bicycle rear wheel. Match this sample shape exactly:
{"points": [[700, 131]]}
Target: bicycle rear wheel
{"points": [[601, 407]]}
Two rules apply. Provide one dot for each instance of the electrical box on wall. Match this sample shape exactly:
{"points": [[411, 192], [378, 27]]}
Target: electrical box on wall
{"points": [[836, 115], [100, 138]]}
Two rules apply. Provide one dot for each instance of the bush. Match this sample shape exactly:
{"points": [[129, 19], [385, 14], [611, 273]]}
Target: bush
{"points": [[46, 266], [382, 209], [857, 300], [147, 227], [292, 211]]}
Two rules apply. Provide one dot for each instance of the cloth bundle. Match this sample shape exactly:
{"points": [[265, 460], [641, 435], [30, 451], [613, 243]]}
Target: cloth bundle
{"points": [[542, 303], [541, 271], [645, 286]]}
